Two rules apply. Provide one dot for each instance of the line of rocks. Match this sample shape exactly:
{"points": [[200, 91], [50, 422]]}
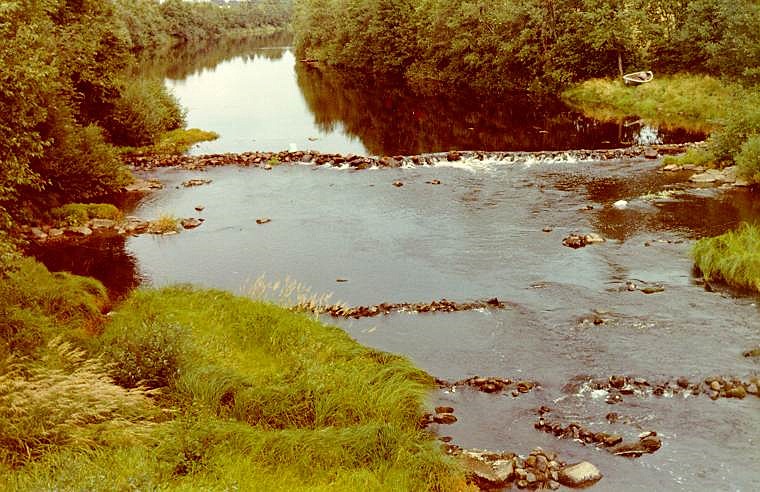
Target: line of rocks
{"points": [[492, 385], [442, 306], [647, 442], [539, 470], [619, 386], [126, 227], [267, 160]]}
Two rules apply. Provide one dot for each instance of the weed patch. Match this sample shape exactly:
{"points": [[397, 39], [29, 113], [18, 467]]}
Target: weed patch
{"points": [[733, 257]]}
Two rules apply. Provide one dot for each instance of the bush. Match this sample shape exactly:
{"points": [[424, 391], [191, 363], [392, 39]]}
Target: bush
{"points": [[75, 214], [748, 159], [144, 111]]}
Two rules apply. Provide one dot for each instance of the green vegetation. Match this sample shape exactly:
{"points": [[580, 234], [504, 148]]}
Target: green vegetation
{"points": [[733, 257], [75, 214], [173, 142], [69, 96], [506, 45], [165, 224], [183, 389]]}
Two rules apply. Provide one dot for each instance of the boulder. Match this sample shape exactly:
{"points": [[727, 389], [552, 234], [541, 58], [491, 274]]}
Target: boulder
{"points": [[651, 153], [580, 474], [102, 223], [81, 231], [453, 155], [191, 223], [54, 232], [444, 418], [38, 233]]}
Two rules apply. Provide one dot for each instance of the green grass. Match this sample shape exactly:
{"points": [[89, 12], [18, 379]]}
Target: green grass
{"points": [[163, 225], [694, 102], [186, 389], [76, 214], [176, 141], [733, 257], [696, 156]]}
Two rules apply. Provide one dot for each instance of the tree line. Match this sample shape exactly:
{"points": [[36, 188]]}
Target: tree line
{"points": [[542, 45], [68, 94]]}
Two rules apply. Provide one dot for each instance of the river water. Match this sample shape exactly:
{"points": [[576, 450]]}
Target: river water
{"points": [[477, 235]]}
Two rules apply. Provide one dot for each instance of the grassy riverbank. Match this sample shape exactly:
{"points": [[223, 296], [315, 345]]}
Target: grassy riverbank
{"points": [[189, 389], [727, 110], [733, 257]]}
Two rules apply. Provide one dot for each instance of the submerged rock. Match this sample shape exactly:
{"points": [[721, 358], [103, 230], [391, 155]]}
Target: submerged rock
{"points": [[195, 182]]}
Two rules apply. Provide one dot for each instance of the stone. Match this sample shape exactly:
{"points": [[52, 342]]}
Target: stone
{"points": [[672, 167], [81, 230], [715, 385], [444, 418], [593, 238], [531, 477], [682, 382], [620, 204], [752, 389], [504, 470], [434, 182], [195, 182], [54, 232], [199, 208], [651, 153], [389, 162], [617, 381], [263, 221], [574, 241], [398, 184], [613, 440], [755, 352], [737, 391], [580, 474], [553, 485], [191, 223], [444, 410], [102, 224], [453, 155], [653, 289], [38, 233], [547, 229]]}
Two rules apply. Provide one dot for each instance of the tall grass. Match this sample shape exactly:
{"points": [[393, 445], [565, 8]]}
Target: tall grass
{"points": [[244, 395], [733, 257]]}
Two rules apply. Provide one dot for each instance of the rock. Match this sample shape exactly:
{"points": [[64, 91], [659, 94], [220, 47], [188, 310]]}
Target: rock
{"points": [[531, 478], [653, 289], [144, 186], [195, 182], [398, 184], [38, 233], [672, 167], [752, 389], [81, 230], [645, 445], [191, 223], [199, 208], [612, 440], [547, 229], [389, 162], [715, 385], [444, 418], [504, 470], [574, 241], [736, 391], [617, 381], [102, 223], [620, 204], [444, 410], [580, 474], [593, 238], [263, 221], [755, 352], [553, 485], [651, 153], [54, 232], [453, 155]]}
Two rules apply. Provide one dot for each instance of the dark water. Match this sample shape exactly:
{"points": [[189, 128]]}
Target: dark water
{"points": [[477, 235]]}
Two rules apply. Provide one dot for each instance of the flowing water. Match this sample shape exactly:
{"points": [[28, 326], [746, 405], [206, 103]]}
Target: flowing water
{"points": [[479, 234]]}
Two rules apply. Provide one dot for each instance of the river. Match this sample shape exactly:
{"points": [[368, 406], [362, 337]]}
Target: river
{"points": [[476, 235]]}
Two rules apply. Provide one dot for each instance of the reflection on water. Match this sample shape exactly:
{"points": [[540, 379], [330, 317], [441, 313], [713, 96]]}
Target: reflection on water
{"points": [[257, 96], [393, 119]]}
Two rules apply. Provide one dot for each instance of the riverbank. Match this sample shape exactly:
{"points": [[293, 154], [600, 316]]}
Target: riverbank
{"points": [[190, 388]]}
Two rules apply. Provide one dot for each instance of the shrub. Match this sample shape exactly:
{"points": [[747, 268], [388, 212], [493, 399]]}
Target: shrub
{"points": [[74, 214], [748, 159], [143, 112]]}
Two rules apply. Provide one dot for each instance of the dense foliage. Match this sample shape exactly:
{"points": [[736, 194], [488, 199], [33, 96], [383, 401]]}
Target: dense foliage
{"points": [[542, 44], [68, 93]]}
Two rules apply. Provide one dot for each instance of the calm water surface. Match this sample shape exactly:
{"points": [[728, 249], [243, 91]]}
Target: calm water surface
{"points": [[477, 235]]}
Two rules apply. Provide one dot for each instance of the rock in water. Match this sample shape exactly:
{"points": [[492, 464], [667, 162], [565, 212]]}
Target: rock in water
{"points": [[620, 204], [580, 474], [191, 223]]}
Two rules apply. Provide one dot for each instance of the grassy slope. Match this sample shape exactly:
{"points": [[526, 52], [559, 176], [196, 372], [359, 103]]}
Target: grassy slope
{"points": [[694, 102], [733, 257], [215, 392]]}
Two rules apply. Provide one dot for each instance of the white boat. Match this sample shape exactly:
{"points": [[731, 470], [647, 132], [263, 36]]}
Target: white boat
{"points": [[638, 77]]}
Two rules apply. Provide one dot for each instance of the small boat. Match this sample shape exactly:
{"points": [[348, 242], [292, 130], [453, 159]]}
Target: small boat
{"points": [[638, 77]]}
